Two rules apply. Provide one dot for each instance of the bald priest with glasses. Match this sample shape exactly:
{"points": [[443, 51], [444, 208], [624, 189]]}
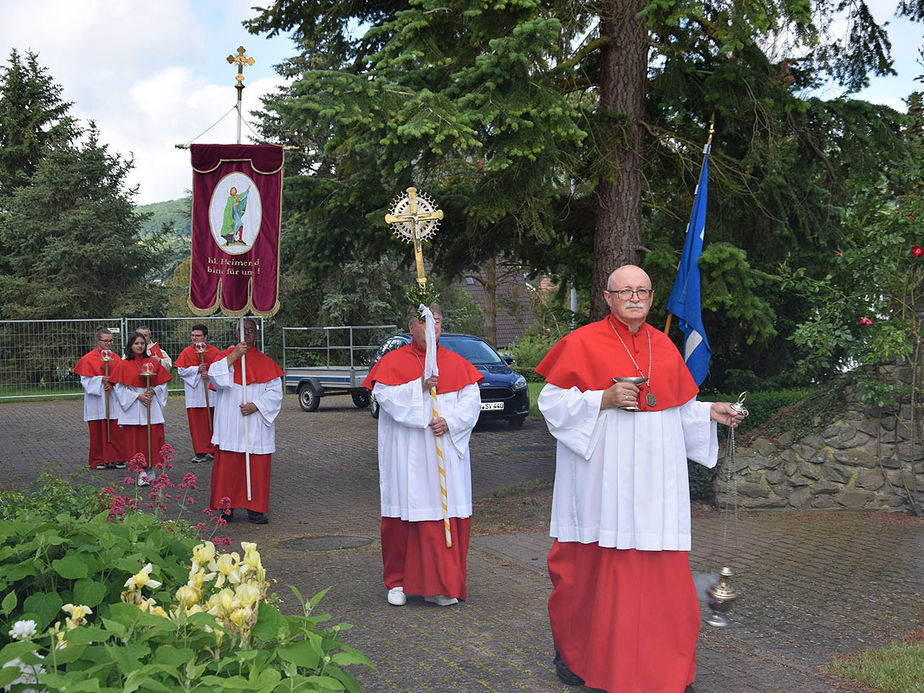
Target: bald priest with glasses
{"points": [[623, 609]]}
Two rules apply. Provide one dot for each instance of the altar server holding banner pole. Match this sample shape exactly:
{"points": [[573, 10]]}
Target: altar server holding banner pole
{"points": [[237, 207]]}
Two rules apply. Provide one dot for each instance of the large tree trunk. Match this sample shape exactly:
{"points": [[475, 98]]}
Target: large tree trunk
{"points": [[623, 84], [490, 301]]}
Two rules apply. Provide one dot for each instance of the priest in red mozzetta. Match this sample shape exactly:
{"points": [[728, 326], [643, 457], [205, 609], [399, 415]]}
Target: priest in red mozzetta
{"points": [[97, 369], [415, 557], [260, 406], [192, 366], [623, 609]]}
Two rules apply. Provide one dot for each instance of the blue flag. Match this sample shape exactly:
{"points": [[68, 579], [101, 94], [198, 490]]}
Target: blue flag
{"points": [[685, 301]]}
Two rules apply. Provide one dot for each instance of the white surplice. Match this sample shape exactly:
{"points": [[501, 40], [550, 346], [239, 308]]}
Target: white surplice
{"points": [[228, 422], [193, 387], [408, 472], [94, 399], [133, 412], [621, 477]]}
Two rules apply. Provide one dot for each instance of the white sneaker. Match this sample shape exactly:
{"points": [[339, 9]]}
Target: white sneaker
{"points": [[143, 479], [441, 600], [396, 596]]}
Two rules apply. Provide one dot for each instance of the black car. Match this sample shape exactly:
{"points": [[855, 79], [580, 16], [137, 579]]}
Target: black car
{"points": [[504, 394]]}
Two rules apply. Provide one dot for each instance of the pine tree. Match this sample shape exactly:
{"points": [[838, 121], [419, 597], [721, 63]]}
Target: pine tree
{"points": [[33, 118], [71, 238]]}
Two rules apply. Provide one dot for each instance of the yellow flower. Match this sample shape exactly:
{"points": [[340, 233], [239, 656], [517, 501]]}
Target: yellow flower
{"points": [[203, 554], [198, 578], [159, 611], [241, 617], [78, 615], [146, 605], [142, 579], [247, 594], [188, 595], [228, 568], [224, 602]]}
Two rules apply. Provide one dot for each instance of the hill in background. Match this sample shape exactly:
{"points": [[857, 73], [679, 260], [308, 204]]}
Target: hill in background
{"points": [[172, 218]]}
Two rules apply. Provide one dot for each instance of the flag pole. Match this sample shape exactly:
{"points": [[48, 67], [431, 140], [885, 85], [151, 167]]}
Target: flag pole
{"points": [[667, 323]]}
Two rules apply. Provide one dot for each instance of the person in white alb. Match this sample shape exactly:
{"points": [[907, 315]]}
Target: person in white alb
{"points": [[192, 366], [623, 609], [415, 557], [260, 407]]}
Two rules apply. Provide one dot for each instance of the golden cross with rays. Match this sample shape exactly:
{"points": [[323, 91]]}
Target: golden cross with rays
{"points": [[415, 219]]}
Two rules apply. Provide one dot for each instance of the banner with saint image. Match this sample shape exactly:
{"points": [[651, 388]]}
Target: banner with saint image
{"points": [[236, 211]]}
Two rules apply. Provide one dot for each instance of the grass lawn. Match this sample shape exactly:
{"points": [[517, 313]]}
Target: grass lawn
{"points": [[534, 389], [896, 668]]}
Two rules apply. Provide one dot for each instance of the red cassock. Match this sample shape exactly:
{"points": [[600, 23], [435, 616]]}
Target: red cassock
{"points": [[198, 416], [102, 451], [623, 619], [414, 553]]}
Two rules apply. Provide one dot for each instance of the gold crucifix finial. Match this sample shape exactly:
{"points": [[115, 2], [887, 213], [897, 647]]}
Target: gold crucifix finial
{"points": [[414, 217], [240, 60]]}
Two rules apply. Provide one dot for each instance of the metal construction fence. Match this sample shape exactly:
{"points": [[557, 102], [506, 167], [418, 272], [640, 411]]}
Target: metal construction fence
{"points": [[37, 357]]}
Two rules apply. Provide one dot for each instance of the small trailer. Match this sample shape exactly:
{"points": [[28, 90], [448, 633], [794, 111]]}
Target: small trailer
{"points": [[322, 361]]}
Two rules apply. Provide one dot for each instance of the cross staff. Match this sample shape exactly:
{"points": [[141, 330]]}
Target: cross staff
{"points": [[416, 219], [422, 225], [240, 61]]}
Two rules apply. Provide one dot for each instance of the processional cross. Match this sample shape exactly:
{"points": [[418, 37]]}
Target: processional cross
{"points": [[415, 218]]}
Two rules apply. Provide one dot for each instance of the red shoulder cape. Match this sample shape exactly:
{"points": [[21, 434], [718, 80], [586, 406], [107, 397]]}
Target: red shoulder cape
{"points": [[591, 356], [260, 367], [91, 364], [406, 364], [130, 373], [190, 357]]}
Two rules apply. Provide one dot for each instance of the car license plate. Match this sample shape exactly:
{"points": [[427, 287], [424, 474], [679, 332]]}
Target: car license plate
{"points": [[492, 406]]}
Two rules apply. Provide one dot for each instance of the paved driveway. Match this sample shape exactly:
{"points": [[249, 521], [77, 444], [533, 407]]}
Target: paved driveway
{"points": [[811, 586]]}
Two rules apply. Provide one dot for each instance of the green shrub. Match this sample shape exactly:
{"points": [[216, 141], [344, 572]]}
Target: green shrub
{"points": [[527, 354], [99, 603]]}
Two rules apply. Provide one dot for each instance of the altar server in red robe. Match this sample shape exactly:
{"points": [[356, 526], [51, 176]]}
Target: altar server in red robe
{"points": [[153, 349], [138, 396], [623, 609], [260, 406], [414, 553], [192, 366], [92, 369]]}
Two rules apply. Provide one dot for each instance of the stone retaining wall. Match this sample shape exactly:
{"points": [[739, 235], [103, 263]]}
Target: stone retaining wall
{"points": [[862, 461]]}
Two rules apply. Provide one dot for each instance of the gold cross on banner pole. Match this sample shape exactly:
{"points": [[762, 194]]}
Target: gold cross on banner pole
{"points": [[415, 218], [240, 60]]}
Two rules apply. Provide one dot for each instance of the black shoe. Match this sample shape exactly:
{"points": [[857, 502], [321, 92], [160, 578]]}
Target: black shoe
{"points": [[197, 459], [565, 675], [689, 689], [209, 457], [119, 465], [228, 515], [257, 518]]}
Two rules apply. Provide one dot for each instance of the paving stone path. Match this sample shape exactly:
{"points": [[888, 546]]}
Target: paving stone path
{"points": [[811, 586]]}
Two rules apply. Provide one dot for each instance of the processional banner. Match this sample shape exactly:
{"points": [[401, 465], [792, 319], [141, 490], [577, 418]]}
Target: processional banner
{"points": [[236, 211]]}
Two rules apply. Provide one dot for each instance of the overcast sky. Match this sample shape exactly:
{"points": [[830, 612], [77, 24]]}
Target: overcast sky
{"points": [[155, 74]]}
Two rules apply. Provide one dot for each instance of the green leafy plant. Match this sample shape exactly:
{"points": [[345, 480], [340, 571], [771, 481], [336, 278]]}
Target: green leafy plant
{"points": [[864, 306], [200, 619]]}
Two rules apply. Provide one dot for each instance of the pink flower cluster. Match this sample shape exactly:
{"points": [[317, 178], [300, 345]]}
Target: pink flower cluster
{"points": [[865, 321]]}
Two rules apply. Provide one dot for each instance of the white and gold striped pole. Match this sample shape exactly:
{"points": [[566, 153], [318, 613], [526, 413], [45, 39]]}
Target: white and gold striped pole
{"points": [[441, 465], [430, 368]]}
